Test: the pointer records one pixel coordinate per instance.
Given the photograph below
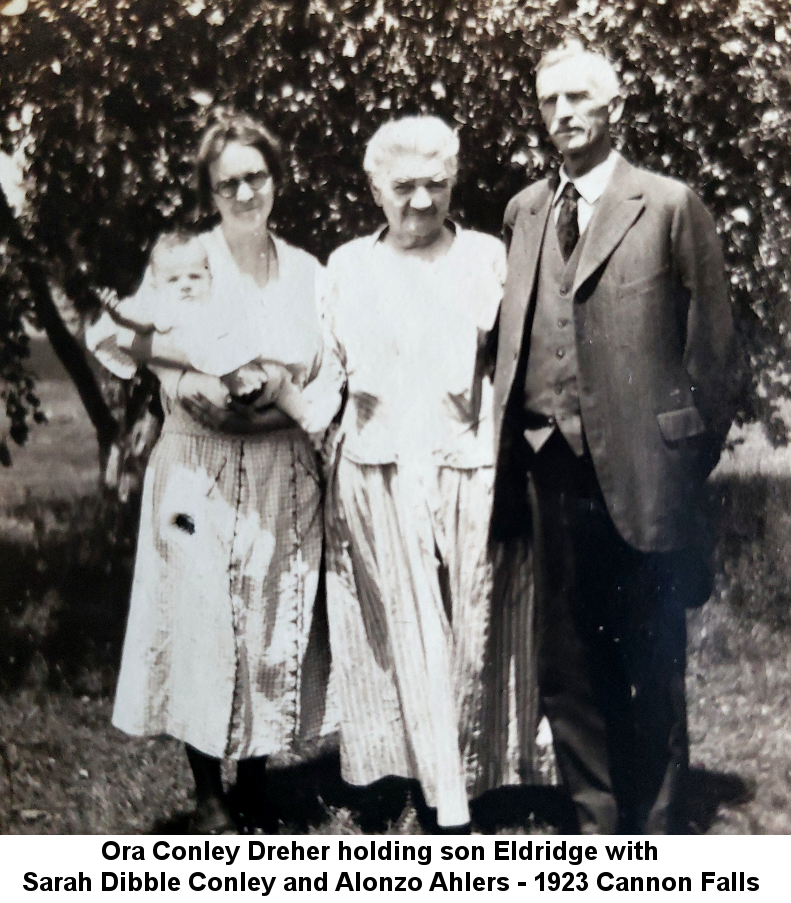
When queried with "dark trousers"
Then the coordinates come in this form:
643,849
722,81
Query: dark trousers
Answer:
611,646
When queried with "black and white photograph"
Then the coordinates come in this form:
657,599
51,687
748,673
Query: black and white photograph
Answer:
396,417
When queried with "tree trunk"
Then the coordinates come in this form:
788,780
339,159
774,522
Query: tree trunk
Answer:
69,351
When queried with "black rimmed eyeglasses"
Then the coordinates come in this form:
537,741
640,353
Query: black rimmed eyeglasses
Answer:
229,188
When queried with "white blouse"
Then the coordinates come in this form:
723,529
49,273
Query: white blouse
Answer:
405,334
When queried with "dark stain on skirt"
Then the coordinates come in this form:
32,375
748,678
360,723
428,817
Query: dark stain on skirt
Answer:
185,522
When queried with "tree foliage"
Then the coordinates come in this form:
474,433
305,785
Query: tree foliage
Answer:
110,96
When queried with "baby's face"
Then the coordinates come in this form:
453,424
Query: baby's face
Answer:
183,273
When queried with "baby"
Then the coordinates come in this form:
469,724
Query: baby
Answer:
212,335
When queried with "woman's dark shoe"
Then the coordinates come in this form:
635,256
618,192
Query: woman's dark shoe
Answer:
211,815
427,816
253,819
454,829
250,800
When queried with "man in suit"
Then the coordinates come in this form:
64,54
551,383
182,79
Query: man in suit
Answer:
611,391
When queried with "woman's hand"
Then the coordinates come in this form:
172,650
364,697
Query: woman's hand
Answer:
464,407
276,377
108,298
205,398
246,420
247,380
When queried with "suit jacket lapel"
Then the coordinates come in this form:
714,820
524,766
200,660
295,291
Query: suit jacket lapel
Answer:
531,235
613,215
534,229
519,289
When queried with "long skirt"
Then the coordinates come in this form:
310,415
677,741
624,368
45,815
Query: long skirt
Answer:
225,648
434,678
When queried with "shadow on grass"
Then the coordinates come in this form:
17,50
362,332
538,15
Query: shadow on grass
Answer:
179,824
523,808
308,796
312,796
64,594
708,790
516,807
64,590
753,558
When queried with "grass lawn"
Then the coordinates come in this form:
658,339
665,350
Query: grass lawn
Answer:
59,460
64,769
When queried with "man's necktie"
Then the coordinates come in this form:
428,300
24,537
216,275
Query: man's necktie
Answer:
567,224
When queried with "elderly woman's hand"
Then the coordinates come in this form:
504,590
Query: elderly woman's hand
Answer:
464,407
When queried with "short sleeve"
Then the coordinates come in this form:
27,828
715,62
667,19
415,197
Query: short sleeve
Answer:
323,393
499,268
108,340
104,339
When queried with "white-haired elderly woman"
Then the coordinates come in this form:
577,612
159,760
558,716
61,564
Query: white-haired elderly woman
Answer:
420,676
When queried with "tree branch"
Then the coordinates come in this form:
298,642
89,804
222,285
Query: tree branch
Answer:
66,347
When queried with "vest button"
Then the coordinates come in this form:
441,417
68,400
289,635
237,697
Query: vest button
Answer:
558,390
560,352
562,323
564,290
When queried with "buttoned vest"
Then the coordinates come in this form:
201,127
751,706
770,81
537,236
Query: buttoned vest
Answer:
551,393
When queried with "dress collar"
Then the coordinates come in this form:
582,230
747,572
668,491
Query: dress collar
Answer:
215,239
381,232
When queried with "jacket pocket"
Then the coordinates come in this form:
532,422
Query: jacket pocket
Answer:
648,283
684,423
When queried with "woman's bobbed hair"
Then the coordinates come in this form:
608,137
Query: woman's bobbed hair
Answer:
229,127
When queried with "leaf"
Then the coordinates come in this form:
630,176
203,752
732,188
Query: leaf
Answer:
110,142
14,8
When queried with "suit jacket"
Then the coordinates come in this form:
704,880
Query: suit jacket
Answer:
654,338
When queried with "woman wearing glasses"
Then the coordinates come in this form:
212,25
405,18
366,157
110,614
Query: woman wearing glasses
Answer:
224,649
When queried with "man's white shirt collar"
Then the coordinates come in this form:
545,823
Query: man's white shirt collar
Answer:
591,187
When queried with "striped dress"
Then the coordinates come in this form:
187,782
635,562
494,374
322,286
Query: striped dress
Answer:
430,635
225,648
